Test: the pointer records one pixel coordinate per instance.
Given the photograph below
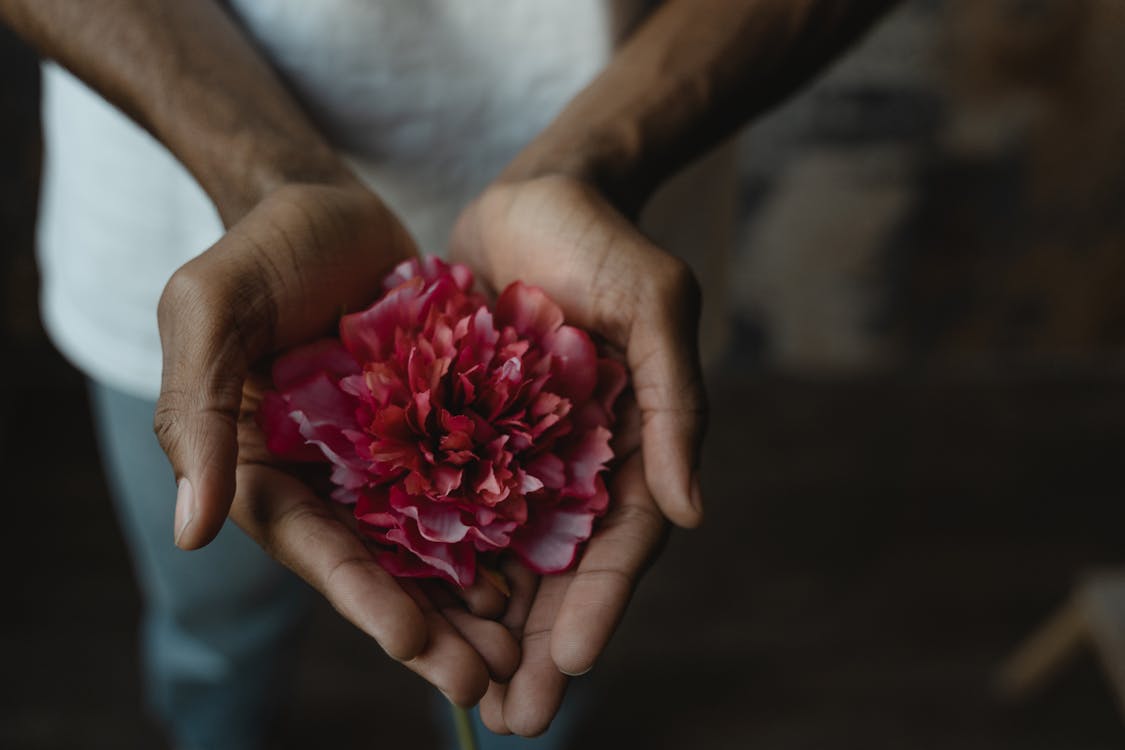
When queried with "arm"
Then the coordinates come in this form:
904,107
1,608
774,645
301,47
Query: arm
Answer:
305,239
693,74
186,73
561,216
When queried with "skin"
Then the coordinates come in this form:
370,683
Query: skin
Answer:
305,238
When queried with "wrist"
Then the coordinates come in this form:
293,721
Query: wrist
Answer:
237,174
607,159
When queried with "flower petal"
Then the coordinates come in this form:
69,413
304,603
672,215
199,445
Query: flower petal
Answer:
585,459
529,310
302,363
574,361
437,522
453,562
283,436
548,542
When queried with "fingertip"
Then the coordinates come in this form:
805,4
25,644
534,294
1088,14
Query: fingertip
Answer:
680,511
407,638
470,688
530,707
198,523
571,655
528,723
492,709
674,484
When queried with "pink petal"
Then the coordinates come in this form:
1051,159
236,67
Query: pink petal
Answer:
437,522
529,310
496,535
478,347
370,335
430,268
573,363
585,459
453,562
283,436
549,469
548,543
373,508
320,399
302,363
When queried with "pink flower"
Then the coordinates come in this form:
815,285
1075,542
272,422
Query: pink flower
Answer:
454,430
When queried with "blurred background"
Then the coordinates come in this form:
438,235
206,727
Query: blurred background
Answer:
914,462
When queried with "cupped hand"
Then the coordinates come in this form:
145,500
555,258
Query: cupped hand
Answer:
560,234
280,277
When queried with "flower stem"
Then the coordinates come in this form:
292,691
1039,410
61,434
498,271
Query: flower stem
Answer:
466,739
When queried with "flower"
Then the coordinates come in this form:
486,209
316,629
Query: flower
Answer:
454,430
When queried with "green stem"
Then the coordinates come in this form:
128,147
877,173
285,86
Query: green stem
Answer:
466,739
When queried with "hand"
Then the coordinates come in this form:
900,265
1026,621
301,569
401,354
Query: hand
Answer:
561,235
282,276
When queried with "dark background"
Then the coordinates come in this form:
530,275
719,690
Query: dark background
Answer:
915,450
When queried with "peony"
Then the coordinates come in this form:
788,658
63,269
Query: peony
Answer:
452,429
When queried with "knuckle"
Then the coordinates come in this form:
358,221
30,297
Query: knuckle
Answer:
185,292
643,523
165,424
221,315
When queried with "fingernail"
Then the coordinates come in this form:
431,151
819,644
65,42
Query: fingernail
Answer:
496,579
185,508
577,674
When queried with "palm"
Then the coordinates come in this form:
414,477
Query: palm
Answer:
561,236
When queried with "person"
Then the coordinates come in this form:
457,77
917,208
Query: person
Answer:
284,158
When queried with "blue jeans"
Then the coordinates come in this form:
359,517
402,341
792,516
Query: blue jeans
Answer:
220,624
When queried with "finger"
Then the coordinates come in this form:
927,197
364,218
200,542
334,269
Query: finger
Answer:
484,597
448,662
205,365
494,642
663,356
492,708
523,584
301,532
625,542
279,277
536,689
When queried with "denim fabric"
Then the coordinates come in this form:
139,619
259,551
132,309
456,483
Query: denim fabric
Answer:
219,623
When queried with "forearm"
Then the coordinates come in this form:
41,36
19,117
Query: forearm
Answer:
692,74
186,72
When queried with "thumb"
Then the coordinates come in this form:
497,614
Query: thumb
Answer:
212,326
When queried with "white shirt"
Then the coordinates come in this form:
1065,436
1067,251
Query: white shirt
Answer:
427,99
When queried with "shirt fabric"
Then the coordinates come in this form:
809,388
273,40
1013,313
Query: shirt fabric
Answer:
426,99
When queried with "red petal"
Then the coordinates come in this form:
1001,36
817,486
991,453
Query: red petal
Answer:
548,543
302,363
573,363
529,310
585,459
283,436
453,562
437,522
